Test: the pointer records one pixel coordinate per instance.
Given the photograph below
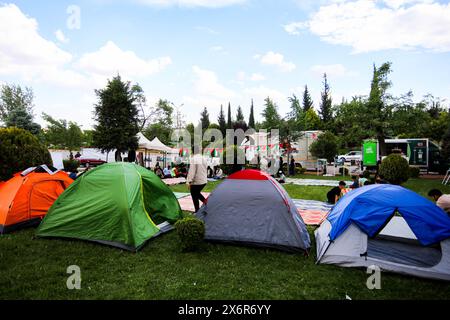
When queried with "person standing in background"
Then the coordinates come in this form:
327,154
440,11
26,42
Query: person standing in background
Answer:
197,178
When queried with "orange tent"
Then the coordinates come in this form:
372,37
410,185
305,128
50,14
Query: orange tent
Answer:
26,198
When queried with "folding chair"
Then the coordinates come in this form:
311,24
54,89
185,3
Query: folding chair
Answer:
446,178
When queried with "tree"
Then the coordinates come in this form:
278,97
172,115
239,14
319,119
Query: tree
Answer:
272,119
240,120
350,122
326,104
20,150
311,120
307,100
117,118
222,122
446,145
162,124
325,147
296,109
377,105
240,114
230,118
16,108
61,134
205,119
251,121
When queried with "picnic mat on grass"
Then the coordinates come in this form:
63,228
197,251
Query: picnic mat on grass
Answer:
312,212
315,182
174,181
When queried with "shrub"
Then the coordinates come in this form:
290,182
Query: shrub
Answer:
414,172
300,170
343,171
20,150
191,232
231,168
395,169
71,165
325,147
366,174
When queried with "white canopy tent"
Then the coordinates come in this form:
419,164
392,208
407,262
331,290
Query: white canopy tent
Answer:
153,147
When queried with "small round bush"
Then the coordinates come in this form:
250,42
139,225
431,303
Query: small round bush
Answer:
191,232
395,169
366,174
71,165
414,172
20,150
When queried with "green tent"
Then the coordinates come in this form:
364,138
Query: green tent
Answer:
118,204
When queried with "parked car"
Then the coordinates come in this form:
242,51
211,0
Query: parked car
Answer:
351,156
91,162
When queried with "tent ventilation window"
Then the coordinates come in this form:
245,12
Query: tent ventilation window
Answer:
397,243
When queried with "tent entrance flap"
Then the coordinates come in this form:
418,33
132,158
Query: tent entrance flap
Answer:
404,253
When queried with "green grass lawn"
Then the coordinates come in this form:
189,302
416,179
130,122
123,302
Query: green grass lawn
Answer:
36,269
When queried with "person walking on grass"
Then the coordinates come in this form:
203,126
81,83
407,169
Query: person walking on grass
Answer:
197,178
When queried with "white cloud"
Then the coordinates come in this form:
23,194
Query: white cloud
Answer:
276,59
207,84
23,51
111,59
217,49
242,77
368,25
294,28
207,30
257,77
332,70
192,3
60,36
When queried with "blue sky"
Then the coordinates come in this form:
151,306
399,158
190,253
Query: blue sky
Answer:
206,53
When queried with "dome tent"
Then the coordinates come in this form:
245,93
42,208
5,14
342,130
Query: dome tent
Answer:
388,226
117,204
251,207
26,198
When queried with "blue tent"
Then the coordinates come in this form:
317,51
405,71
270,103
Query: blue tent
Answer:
371,207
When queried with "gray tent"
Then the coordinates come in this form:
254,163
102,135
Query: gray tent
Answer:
250,207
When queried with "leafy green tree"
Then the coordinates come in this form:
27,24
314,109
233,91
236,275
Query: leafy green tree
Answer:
311,120
446,145
251,121
378,107
351,123
205,119
240,114
20,150
230,119
326,104
325,147
307,100
117,118
88,138
161,125
272,119
240,120
63,134
222,122
16,108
